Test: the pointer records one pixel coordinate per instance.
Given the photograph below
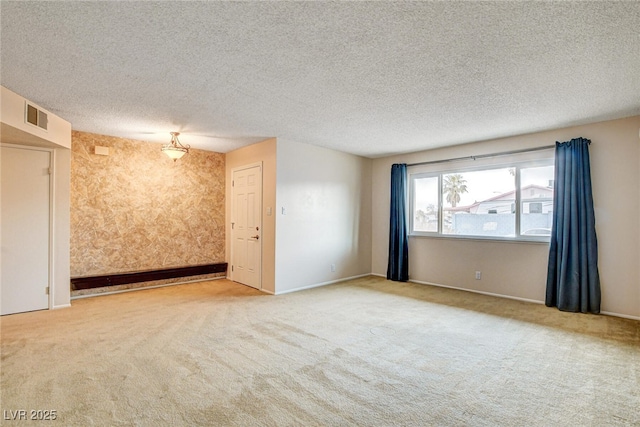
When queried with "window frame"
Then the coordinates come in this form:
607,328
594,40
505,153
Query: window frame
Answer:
418,173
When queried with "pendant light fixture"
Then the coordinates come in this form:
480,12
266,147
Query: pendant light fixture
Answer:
175,149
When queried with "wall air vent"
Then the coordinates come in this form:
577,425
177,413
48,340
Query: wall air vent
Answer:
35,116
24,123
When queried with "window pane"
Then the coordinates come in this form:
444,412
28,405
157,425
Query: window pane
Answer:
425,206
536,195
479,203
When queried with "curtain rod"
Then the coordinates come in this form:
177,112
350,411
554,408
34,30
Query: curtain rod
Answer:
482,156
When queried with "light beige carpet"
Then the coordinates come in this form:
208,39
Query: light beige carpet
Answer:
362,353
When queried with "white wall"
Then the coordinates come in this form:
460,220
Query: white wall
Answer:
326,197
265,153
15,129
58,137
62,228
519,269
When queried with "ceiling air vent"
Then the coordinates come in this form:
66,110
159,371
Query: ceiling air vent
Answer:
36,116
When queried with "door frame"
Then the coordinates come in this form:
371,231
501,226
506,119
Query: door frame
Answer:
233,215
52,241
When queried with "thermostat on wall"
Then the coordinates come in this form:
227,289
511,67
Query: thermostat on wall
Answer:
102,151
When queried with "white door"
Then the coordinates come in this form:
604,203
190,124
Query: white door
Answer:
24,229
246,226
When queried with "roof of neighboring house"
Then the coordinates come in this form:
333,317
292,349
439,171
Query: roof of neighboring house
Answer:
509,195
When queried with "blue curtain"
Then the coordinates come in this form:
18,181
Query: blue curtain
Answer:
398,267
573,281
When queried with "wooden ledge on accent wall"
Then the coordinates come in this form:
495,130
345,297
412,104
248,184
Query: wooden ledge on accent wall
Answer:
90,282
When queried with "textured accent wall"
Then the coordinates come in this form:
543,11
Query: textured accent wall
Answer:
136,209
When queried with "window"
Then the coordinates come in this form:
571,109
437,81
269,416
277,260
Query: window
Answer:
426,211
512,201
537,205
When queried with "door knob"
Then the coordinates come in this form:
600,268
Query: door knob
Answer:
255,237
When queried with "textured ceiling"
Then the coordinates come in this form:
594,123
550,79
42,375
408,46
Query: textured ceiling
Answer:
369,78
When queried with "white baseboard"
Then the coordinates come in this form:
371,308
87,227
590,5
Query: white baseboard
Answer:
316,285
420,282
331,282
606,313
478,292
624,316
141,288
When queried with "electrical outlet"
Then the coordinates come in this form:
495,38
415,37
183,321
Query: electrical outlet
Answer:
333,268
478,275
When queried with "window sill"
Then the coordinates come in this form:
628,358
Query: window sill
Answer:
526,240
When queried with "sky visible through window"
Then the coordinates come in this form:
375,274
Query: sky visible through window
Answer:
482,185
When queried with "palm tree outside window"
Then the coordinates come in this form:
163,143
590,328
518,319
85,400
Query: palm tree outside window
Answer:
453,186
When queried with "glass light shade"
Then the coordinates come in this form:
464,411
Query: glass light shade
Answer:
174,152
175,149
